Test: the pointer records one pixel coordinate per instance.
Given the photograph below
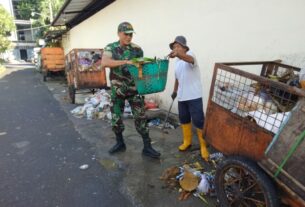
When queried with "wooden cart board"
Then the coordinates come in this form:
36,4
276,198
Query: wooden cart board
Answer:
52,60
292,173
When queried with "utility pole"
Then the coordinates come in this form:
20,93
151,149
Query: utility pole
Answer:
32,29
51,11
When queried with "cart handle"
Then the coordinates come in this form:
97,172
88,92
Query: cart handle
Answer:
293,148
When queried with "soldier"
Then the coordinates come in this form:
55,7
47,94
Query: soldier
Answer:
117,56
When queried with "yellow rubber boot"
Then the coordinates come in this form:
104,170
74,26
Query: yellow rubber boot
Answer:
203,147
187,136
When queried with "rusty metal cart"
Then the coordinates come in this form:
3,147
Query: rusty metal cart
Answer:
84,71
257,119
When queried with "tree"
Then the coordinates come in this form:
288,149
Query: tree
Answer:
42,11
6,27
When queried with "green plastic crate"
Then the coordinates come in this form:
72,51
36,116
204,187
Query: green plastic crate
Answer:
154,77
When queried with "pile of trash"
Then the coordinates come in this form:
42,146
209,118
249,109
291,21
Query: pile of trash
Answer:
95,107
98,107
192,179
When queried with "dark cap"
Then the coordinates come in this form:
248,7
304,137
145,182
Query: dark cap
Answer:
125,27
180,40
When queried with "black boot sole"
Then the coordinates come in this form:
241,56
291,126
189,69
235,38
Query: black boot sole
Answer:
120,149
151,156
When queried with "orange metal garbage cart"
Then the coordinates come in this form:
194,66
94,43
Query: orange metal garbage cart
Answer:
84,71
257,120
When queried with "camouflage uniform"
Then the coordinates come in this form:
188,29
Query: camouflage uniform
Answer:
123,88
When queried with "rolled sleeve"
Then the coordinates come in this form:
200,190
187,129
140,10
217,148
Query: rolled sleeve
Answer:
107,52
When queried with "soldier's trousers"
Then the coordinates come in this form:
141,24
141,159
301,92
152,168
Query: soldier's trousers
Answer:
136,103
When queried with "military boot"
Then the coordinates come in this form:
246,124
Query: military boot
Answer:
119,146
148,150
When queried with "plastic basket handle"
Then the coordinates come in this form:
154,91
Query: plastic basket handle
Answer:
139,66
140,71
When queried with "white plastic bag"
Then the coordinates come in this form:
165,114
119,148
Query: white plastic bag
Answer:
78,112
204,185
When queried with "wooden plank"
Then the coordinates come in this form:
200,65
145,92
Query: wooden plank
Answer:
293,171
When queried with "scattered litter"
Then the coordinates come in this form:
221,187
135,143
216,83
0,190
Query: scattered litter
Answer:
217,156
169,177
84,167
188,181
158,123
2,133
191,179
151,104
96,106
78,112
127,110
184,195
109,115
63,91
154,122
204,186
196,194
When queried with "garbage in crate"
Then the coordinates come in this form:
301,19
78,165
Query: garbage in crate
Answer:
267,106
89,60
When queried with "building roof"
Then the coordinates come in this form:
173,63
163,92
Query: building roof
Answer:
54,34
74,12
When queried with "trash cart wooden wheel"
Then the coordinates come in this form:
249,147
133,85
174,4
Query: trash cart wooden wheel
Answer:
72,92
44,75
240,182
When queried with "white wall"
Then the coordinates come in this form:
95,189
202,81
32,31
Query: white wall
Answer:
216,30
7,4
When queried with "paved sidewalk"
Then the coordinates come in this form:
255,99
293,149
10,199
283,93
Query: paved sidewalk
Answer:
140,175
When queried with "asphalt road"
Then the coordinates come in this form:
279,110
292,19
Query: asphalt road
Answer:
41,152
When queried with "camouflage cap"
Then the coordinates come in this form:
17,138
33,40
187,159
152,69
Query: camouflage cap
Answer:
125,27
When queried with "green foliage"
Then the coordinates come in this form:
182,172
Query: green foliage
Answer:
25,8
6,27
40,11
143,60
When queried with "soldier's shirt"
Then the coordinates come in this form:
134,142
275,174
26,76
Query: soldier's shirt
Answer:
120,78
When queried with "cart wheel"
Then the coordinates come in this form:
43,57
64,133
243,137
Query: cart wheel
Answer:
44,74
72,94
63,73
241,182
92,91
